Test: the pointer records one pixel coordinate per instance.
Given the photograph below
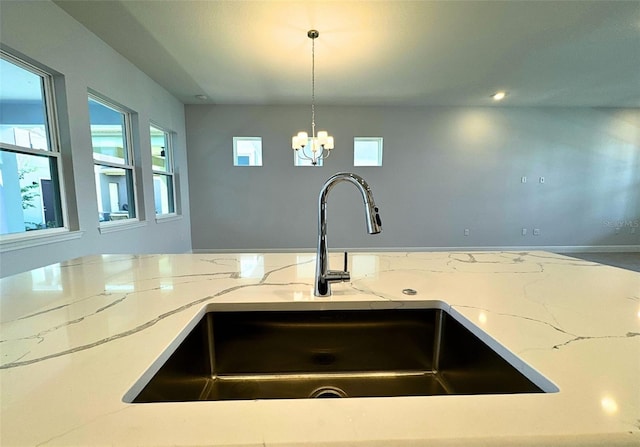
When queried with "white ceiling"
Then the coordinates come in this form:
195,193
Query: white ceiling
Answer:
544,53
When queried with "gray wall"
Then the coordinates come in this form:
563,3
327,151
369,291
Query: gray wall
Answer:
444,170
44,33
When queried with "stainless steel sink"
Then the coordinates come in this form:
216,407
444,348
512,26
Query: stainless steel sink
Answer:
239,352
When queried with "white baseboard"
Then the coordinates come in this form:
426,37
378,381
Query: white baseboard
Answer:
257,250
551,248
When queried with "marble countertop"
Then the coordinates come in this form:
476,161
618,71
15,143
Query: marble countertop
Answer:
76,336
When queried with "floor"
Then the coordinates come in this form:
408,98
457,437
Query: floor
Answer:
629,261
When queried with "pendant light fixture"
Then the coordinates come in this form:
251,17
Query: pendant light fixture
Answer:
319,146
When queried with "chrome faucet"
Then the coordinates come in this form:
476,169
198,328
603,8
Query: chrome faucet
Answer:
324,276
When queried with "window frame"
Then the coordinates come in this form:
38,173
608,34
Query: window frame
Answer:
379,140
35,237
170,170
128,165
235,152
301,162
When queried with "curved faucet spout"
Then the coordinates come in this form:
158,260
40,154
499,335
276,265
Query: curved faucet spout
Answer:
324,276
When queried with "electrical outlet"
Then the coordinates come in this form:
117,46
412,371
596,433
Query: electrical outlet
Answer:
536,231
523,179
524,231
466,232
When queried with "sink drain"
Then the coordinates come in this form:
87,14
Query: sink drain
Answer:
327,392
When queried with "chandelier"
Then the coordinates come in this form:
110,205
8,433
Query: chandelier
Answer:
320,145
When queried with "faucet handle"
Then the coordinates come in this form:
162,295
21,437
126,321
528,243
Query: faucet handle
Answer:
339,275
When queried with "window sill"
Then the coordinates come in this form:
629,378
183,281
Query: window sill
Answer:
122,225
36,238
162,218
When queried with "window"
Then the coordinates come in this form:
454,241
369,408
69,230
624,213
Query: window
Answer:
247,151
112,160
367,151
30,162
162,166
300,158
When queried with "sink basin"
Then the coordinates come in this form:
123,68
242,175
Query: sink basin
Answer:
287,351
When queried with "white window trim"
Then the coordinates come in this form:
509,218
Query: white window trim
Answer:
235,152
171,169
378,140
121,225
129,165
173,186
29,239
53,141
297,160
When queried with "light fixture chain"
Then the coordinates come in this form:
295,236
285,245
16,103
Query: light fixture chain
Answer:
319,146
313,87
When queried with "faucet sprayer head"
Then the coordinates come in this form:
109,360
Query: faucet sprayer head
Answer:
374,223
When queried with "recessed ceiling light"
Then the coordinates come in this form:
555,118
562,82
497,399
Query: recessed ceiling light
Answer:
202,97
499,96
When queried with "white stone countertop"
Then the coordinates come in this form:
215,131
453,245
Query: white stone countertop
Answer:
76,336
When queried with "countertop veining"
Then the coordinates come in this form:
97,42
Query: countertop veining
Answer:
75,336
